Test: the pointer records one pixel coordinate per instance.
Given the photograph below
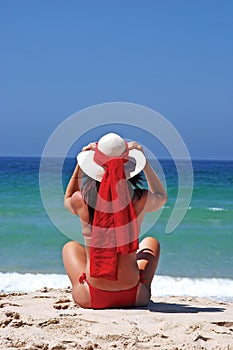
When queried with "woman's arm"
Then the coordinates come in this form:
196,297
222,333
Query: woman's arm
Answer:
156,196
73,198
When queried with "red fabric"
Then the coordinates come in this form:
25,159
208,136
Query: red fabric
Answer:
101,299
114,228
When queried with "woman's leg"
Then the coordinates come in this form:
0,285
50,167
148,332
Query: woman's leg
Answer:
147,260
74,259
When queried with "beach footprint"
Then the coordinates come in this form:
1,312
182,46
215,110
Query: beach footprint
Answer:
10,316
62,304
226,326
48,322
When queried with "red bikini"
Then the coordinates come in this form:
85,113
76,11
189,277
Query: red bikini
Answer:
101,299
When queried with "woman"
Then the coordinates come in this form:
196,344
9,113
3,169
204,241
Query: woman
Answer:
113,269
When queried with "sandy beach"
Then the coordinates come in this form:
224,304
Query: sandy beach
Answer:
49,320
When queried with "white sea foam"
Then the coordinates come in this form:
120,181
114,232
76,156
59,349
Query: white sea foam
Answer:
217,209
219,288
28,282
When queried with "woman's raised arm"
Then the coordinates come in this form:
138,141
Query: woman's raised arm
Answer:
73,195
157,195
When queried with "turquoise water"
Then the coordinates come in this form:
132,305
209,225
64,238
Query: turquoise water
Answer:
200,247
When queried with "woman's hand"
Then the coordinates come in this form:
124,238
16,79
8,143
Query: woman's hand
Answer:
135,145
90,147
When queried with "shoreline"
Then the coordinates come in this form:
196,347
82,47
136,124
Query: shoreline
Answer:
48,319
216,289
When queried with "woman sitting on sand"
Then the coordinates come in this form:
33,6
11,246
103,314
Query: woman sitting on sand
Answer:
113,269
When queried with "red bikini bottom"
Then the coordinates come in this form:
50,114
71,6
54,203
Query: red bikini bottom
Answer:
102,299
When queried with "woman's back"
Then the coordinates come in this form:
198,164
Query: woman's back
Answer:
127,267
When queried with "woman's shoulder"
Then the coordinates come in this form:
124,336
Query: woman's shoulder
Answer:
148,201
152,201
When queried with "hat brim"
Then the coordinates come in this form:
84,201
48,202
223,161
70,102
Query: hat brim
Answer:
85,159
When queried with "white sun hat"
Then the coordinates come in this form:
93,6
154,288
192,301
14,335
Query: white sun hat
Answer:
111,145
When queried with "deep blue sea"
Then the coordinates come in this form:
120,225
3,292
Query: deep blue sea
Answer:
196,258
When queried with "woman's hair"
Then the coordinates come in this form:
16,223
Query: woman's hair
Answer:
90,188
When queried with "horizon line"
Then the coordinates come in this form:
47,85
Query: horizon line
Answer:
161,158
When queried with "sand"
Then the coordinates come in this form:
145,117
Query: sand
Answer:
49,320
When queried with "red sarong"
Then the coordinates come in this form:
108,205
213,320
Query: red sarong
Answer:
114,228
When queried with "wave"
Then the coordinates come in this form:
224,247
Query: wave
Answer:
28,282
200,208
217,288
217,209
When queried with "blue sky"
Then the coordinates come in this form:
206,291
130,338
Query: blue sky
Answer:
174,56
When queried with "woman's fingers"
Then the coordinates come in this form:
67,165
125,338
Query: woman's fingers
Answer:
134,145
90,146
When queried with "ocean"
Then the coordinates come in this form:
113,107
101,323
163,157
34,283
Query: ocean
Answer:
196,258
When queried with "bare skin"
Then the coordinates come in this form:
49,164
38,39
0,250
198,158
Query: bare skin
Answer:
76,258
